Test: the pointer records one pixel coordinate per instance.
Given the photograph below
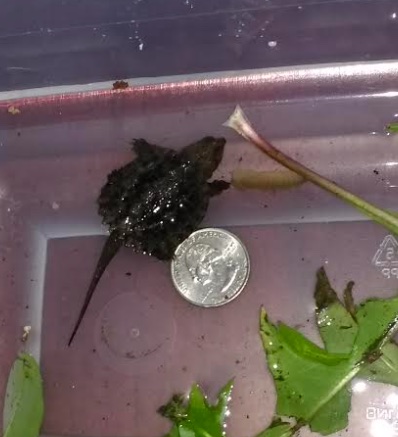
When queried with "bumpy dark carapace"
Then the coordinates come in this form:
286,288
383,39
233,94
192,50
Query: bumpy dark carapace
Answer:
156,201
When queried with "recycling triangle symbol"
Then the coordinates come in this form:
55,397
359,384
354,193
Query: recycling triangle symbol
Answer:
387,254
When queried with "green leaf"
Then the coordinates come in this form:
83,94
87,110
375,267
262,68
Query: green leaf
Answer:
336,325
392,128
278,429
299,344
311,382
377,320
23,407
311,385
197,418
333,416
303,383
338,330
385,368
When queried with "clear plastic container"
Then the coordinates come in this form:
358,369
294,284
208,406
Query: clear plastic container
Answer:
140,341
55,155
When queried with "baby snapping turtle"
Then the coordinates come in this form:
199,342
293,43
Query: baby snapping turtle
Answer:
156,201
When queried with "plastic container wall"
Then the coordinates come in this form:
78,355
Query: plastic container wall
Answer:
46,43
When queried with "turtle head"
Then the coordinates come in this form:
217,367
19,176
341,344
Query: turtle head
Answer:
207,152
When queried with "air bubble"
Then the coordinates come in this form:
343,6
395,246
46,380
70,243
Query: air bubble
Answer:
135,332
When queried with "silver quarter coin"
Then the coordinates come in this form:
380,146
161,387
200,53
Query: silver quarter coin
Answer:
210,268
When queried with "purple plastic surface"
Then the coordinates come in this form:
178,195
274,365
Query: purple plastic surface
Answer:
58,42
140,341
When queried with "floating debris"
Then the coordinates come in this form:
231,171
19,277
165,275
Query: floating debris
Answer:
13,110
265,180
120,85
26,332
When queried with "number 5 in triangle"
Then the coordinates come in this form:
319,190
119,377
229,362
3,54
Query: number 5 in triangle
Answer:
387,254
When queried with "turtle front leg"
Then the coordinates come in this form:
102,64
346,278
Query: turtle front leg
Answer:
217,187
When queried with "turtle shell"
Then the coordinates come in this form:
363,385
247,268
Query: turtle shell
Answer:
156,201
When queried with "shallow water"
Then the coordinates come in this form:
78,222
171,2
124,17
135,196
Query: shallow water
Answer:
140,342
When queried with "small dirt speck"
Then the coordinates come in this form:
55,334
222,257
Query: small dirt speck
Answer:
120,85
237,361
202,337
184,368
94,351
18,134
265,206
240,159
375,171
247,416
128,273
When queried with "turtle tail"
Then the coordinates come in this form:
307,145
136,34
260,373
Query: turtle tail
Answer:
110,249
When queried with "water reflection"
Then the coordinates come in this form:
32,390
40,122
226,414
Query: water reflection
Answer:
359,386
381,428
392,400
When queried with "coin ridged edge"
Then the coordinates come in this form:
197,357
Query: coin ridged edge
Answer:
245,280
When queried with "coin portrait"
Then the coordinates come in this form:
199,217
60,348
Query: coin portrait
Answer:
210,267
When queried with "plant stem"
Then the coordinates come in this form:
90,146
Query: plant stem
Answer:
242,126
